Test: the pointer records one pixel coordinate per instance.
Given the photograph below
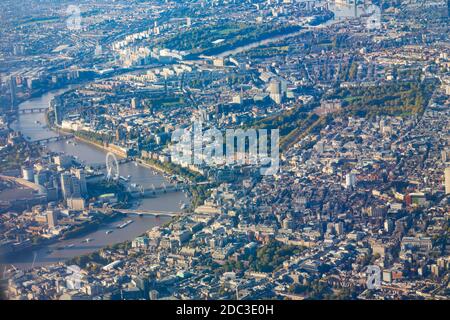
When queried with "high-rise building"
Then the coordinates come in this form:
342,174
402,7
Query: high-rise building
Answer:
66,185
76,187
275,87
141,283
81,176
28,173
388,225
40,178
52,193
275,91
447,180
76,203
63,161
339,228
134,103
12,88
57,109
52,218
73,184
350,180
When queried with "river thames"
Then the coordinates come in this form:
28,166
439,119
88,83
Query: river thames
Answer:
33,126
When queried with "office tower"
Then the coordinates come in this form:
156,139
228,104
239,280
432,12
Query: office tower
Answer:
275,91
275,87
350,180
57,109
388,225
81,176
434,270
52,194
447,180
52,218
141,283
40,178
330,228
12,88
63,161
83,184
28,173
76,187
339,228
54,183
134,103
76,204
66,185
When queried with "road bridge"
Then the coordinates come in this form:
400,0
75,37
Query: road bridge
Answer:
31,110
54,139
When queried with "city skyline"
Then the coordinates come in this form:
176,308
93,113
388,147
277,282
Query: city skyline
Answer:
224,150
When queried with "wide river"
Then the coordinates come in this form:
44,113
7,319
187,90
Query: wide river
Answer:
341,12
33,126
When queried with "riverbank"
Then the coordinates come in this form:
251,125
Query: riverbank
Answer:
61,131
107,233
148,164
78,231
90,226
143,162
197,194
95,144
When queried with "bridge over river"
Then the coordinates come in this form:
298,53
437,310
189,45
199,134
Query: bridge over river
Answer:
32,110
154,191
54,139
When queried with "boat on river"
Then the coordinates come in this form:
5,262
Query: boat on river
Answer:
123,225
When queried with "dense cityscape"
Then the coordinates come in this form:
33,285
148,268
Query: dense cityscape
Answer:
224,150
